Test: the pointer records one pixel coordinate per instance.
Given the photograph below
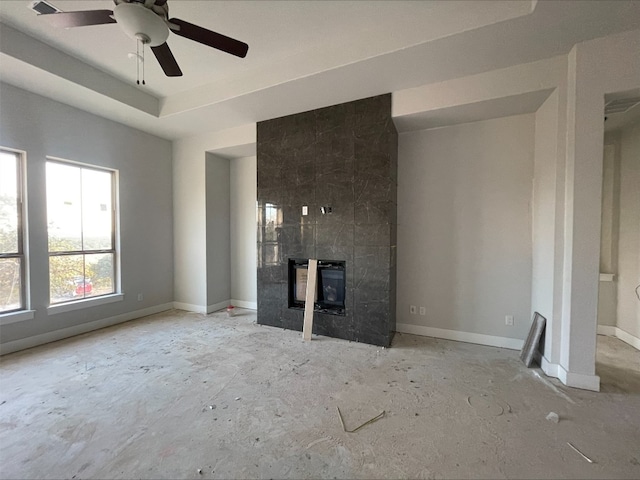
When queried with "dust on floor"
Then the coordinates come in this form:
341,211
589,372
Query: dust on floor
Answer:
185,395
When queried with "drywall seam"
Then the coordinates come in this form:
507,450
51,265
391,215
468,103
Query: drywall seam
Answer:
35,340
469,337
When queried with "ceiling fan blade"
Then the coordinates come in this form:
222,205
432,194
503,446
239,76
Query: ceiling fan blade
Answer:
166,60
79,19
209,38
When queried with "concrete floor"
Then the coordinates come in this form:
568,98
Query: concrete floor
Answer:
164,396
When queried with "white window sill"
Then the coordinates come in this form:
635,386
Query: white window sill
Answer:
13,317
84,303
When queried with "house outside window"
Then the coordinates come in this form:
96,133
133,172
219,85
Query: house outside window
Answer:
81,216
12,259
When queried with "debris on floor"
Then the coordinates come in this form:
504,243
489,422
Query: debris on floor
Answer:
553,417
486,406
580,453
374,419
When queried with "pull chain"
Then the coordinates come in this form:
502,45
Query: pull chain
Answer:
138,61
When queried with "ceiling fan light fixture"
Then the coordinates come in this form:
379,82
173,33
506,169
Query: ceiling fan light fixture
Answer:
140,23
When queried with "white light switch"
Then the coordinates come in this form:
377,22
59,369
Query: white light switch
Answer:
305,210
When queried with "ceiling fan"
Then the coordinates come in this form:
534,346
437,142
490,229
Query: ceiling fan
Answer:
148,22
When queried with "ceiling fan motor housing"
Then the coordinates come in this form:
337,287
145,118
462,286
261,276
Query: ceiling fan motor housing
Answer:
141,23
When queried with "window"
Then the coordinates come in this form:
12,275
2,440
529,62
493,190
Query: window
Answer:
81,227
12,269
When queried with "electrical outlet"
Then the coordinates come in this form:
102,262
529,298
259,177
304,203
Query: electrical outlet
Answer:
140,297
423,311
508,320
412,310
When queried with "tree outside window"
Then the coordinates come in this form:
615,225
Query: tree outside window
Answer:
11,232
81,231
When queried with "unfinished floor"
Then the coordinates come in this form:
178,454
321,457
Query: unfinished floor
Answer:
184,395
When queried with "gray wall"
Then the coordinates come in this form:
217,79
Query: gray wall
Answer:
464,226
344,156
42,127
243,232
618,305
217,231
628,314
607,291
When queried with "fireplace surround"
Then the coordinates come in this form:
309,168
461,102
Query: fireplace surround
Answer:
330,286
327,183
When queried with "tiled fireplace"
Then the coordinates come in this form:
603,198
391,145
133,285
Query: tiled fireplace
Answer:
327,182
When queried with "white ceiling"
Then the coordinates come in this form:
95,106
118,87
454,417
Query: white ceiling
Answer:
302,54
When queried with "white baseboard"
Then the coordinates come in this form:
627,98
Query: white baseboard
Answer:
218,306
626,337
550,369
63,333
245,304
190,307
479,338
608,330
579,380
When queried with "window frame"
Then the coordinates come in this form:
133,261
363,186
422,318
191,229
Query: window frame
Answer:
115,294
21,188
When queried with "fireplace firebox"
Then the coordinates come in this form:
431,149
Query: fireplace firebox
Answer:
330,286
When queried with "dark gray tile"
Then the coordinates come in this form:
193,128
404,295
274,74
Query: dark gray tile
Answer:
374,212
372,111
366,293
371,257
334,235
298,251
374,163
342,253
269,255
372,188
270,278
334,192
297,235
335,170
335,120
340,213
292,215
345,157
372,234
292,319
273,196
